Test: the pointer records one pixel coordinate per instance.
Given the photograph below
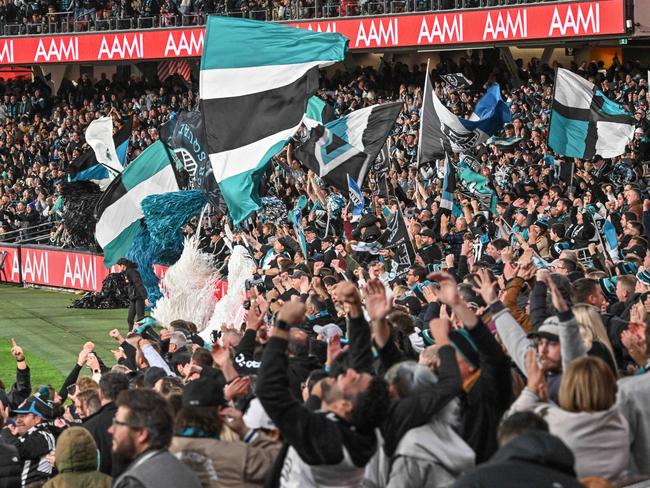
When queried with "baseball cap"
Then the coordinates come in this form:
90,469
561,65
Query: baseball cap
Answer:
550,329
207,391
328,331
38,405
464,344
428,233
256,417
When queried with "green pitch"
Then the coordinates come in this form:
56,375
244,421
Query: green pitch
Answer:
50,333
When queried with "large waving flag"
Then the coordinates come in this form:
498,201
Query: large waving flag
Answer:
318,112
256,78
119,211
99,136
584,122
448,185
490,113
349,145
474,185
87,168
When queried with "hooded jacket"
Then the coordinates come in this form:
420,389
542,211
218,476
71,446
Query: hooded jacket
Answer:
431,455
599,440
534,459
76,461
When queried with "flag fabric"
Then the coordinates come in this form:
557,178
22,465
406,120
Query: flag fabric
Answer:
490,113
174,67
99,136
456,80
584,122
430,141
188,143
119,211
255,81
86,167
382,161
506,144
348,145
474,185
607,233
356,197
295,217
448,185
396,238
318,112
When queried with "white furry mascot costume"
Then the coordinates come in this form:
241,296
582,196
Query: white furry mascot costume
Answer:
229,309
188,288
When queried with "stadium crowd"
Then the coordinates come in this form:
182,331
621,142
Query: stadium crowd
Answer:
512,351
20,17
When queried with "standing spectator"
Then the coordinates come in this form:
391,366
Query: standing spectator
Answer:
110,386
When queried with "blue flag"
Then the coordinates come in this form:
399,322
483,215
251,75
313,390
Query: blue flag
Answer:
356,197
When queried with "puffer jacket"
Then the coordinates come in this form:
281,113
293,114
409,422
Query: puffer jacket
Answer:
76,461
10,466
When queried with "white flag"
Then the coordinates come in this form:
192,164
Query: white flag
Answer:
99,136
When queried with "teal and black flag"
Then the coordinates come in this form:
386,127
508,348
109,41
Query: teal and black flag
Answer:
87,168
255,81
584,122
349,145
119,211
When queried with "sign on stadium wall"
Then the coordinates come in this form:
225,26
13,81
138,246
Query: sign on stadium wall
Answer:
58,268
458,27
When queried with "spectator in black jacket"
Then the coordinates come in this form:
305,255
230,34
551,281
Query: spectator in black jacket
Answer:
10,465
331,446
110,386
137,291
484,366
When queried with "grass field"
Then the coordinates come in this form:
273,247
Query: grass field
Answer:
50,333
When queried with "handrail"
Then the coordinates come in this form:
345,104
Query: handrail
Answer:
28,229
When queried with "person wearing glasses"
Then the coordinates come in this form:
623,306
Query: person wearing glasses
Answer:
142,431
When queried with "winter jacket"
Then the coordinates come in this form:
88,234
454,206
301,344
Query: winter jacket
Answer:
157,469
431,455
33,447
137,291
485,402
98,424
324,450
10,466
600,441
633,401
76,461
222,464
534,459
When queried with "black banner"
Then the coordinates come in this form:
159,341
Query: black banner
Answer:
396,238
188,142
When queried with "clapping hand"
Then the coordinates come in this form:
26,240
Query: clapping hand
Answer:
377,303
486,287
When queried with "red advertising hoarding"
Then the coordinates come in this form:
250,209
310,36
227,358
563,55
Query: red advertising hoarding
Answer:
58,268
458,27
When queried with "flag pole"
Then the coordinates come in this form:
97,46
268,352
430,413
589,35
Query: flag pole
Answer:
424,95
